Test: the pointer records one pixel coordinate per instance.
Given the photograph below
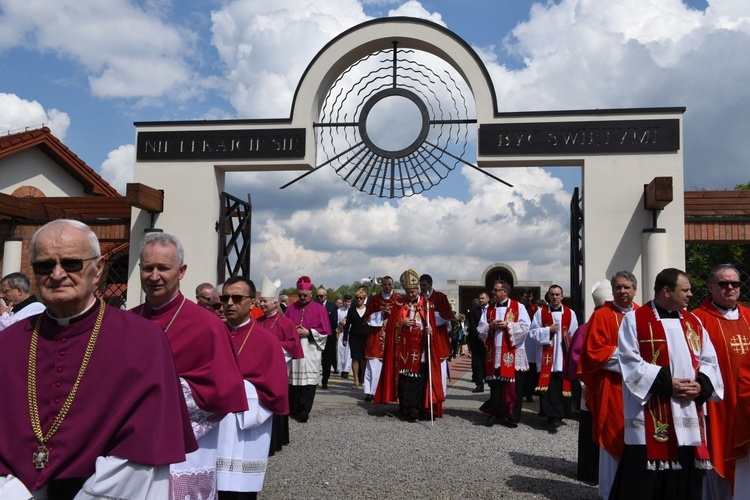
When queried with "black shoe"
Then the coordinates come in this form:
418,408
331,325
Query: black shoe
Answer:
477,389
324,386
510,424
302,418
368,398
529,399
335,372
555,422
413,415
344,374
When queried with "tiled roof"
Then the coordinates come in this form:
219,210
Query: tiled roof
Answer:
42,138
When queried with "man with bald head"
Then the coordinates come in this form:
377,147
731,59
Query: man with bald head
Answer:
98,385
728,325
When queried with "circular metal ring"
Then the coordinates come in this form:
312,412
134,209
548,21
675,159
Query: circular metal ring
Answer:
424,129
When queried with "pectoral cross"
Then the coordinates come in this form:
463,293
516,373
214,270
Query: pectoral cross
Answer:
739,343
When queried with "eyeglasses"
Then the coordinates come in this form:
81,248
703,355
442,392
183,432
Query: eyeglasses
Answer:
3,292
216,305
237,298
68,265
204,298
321,296
498,289
725,284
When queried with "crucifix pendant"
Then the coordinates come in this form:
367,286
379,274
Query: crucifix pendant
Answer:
41,457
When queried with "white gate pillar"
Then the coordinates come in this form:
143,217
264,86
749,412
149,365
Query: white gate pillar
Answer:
191,210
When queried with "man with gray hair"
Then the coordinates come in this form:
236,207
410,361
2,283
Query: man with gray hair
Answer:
91,403
16,301
203,295
599,369
728,325
212,384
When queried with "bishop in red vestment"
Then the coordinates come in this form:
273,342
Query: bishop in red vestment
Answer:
413,358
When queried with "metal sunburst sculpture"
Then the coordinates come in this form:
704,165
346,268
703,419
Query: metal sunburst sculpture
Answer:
418,161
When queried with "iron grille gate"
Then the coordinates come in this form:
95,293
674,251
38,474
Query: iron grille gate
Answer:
235,220
576,256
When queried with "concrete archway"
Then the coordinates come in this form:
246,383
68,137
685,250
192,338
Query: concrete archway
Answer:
619,152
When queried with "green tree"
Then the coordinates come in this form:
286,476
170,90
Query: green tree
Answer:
700,258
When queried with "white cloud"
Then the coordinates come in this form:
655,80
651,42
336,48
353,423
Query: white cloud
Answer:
266,47
585,54
117,169
125,50
350,235
17,113
569,54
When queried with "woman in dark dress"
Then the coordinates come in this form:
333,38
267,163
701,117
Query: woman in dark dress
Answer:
355,335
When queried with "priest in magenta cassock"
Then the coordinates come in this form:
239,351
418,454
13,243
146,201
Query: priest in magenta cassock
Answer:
211,380
245,438
313,327
107,414
281,326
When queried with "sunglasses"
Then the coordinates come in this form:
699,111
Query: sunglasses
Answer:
216,305
321,296
68,265
725,284
235,298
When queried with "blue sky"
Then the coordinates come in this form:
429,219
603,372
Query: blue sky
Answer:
89,69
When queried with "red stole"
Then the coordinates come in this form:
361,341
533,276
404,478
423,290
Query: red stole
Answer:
548,351
507,349
403,353
661,441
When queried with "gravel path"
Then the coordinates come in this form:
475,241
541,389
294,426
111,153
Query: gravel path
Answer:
352,449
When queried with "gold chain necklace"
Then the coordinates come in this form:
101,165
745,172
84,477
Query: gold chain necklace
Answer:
275,320
302,314
252,325
41,455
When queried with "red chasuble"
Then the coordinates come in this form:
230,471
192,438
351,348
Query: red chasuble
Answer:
741,436
129,402
405,353
603,387
262,363
202,353
731,339
376,340
285,331
439,303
